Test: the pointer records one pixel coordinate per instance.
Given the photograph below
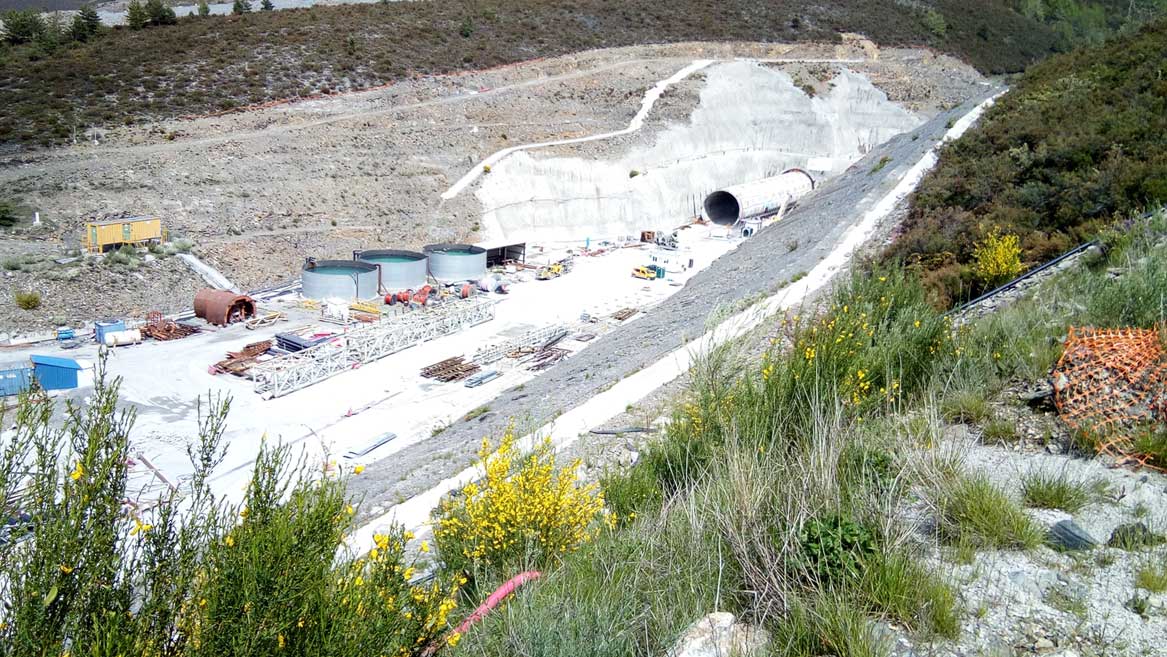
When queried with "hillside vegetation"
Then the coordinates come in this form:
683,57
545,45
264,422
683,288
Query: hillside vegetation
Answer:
1079,141
49,90
778,492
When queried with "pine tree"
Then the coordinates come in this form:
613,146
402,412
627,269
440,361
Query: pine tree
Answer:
204,8
267,5
159,13
136,16
86,23
241,7
22,26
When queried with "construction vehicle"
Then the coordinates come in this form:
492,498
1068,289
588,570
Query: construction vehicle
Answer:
554,270
648,272
549,272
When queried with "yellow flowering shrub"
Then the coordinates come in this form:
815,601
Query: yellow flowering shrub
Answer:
524,512
997,258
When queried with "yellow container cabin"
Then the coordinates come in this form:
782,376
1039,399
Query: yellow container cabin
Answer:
101,236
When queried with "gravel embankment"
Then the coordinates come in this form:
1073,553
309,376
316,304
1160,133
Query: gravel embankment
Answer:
757,266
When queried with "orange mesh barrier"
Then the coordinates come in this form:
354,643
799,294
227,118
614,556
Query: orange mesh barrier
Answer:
1110,381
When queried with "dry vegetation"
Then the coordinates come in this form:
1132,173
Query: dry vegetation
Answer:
212,64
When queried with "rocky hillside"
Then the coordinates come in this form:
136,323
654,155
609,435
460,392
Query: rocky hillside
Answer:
50,92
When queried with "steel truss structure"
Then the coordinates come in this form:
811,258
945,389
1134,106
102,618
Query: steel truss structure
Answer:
291,372
533,338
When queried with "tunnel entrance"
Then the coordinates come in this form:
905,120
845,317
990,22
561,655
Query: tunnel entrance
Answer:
722,208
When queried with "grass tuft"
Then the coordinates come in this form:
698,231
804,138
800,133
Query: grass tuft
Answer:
27,300
1152,577
965,406
975,512
1043,489
999,431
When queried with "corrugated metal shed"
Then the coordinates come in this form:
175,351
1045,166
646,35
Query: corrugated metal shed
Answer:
55,373
15,380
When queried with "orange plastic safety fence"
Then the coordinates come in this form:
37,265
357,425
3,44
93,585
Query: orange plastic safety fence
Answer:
1110,382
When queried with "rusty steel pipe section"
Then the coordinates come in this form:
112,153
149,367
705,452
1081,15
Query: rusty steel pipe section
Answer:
222,307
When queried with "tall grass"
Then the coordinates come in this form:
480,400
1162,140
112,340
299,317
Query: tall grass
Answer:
785,504
96,568
628,593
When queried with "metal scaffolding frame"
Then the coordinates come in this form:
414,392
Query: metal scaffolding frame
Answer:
291,372
533,338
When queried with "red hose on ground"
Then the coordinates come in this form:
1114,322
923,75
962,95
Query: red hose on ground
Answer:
495,598
491,602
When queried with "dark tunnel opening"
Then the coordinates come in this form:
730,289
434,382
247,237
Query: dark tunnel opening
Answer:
722,208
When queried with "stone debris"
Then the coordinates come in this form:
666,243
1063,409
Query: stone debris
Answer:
1068,536
719,635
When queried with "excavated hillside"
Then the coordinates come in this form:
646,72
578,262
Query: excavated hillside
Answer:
258,191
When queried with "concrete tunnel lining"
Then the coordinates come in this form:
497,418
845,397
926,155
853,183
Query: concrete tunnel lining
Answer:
722,208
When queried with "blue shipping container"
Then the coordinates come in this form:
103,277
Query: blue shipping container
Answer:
107,326
15,381
54,373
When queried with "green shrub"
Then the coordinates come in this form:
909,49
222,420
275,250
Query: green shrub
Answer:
1080,141
934,22
204,578
972,511
631,492
883,161
27,300
835,548
11,264
1048,490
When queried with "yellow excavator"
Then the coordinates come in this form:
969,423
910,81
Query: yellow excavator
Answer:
550,271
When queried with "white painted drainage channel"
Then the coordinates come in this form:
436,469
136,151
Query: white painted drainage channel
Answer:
212,276
414,513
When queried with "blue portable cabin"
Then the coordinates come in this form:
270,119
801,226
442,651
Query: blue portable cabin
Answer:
55,373
15,380
102,327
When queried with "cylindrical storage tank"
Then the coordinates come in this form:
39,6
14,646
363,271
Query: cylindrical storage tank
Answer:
116,338
757,199
339,279
400,270
454,263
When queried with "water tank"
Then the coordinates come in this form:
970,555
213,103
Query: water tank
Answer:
116,338
339,279
757,199
454,263
400,270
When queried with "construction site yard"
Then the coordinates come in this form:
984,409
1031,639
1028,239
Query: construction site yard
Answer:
164,380
258,191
